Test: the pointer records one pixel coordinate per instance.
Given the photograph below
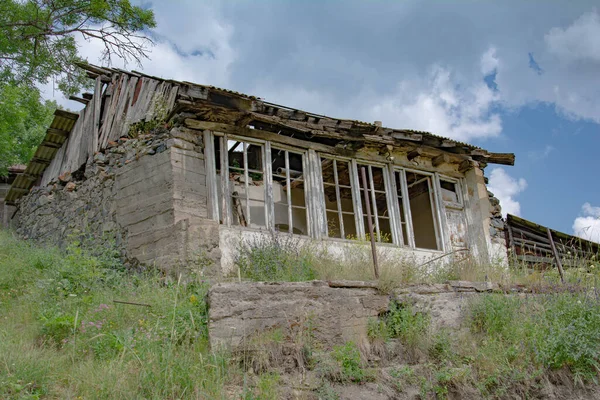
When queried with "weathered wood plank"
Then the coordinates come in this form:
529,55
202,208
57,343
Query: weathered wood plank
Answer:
96,119
79,99
258,134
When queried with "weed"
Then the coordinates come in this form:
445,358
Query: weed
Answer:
327,392
275,258
350,361
406,324
62,336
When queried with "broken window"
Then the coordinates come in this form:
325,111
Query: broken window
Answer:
450,193
289,195
242,190
270,186
398,175
377,192
422,210
339,203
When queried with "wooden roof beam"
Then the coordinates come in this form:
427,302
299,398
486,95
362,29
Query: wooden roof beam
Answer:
494,158
411,155
79,99
441,159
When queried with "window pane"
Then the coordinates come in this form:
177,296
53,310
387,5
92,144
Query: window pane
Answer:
449,191
422,210
288,191
338,198
246,183
378,202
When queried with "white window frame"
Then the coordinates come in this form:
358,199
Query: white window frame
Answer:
290,206
316,213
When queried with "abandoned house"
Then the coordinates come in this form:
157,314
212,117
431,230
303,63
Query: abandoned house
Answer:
175,172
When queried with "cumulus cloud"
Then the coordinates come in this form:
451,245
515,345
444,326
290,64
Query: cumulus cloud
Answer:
333,60
578,42
489,61
506,188
438,104
587,225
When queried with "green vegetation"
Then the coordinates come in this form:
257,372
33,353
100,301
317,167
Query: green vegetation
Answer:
38,39
38,43
62,336
24,118
351,365
511,345
275,258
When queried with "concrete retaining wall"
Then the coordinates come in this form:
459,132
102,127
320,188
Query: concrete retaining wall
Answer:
336,312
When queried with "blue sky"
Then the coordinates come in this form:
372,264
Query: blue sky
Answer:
509,76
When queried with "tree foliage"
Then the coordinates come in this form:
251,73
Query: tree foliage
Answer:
24,118
38,42
38,37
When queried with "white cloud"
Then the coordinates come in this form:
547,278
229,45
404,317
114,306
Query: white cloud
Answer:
439,104
489,61
438,101
587,226
579,42
537,155
423,79
506,188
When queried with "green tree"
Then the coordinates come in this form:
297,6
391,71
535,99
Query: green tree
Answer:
38,42
24,118
38,37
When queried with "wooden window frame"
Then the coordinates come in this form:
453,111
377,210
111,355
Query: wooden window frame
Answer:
289,205
316,213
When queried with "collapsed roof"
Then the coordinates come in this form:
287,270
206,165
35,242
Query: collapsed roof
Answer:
112,107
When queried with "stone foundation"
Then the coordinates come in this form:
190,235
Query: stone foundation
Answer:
336,312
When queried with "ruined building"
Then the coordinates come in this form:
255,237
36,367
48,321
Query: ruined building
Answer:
175,172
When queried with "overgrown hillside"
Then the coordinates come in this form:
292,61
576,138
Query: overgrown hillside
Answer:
75,326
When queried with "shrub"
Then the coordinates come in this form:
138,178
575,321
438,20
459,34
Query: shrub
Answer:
494,314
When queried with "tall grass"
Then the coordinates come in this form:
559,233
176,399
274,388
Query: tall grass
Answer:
63,336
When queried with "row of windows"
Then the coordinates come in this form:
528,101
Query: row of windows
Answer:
266,185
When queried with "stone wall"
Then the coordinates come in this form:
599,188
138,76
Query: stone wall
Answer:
497,230
145,195
337,311
336,315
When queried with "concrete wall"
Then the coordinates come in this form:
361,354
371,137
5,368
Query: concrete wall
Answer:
336,315
146,196
231,239
477,213
335,312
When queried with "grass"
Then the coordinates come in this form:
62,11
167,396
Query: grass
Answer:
512,345
287,258
62,336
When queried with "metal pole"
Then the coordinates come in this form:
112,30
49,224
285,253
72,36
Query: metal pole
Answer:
369,222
